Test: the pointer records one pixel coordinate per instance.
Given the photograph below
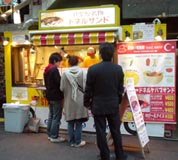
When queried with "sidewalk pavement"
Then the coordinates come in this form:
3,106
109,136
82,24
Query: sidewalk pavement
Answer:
36,146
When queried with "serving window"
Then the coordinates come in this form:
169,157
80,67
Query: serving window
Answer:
28,62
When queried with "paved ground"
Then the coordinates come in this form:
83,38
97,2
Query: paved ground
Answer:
35,146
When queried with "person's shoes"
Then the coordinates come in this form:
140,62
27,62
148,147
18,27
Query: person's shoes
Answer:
81,144
123,158
49,138
72,145
57,140
99,158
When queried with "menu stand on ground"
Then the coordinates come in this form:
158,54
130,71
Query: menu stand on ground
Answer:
143,138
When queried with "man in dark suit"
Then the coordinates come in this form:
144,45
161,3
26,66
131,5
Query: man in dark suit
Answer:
103,94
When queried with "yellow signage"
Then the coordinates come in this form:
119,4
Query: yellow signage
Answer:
86,17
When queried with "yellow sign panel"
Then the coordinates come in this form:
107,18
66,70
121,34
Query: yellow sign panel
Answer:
160,30
86,17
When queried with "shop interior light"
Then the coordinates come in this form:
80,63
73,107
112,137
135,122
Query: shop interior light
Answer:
127,36
14,43
158,38
27,42
56,47
62,51
64,54
32,50
6,41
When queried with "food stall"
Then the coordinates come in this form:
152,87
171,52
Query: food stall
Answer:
70,32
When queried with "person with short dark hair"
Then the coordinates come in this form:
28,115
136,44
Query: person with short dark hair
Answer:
103,94
73,60
54,96
72,84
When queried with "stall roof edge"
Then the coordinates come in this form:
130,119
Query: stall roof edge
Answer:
74,30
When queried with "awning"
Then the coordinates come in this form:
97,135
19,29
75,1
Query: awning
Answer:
73,38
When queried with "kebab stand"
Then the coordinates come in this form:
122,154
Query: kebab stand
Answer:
71,32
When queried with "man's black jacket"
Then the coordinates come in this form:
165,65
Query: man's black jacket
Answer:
104,88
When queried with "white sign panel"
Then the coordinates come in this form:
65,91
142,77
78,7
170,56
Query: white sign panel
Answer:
143,32
19,93
81,17
137,112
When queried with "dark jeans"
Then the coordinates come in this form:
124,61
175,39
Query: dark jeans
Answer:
55,114
114,126
74,131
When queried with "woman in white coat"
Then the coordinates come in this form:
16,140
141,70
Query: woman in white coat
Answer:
72,85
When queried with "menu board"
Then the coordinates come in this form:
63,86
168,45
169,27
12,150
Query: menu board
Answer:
136,111
152,66
143,32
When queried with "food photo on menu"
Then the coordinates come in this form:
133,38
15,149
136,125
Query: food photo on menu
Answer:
134,103
144,100
51,19
148,70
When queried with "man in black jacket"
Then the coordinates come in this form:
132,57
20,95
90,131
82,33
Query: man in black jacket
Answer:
103,94
54,96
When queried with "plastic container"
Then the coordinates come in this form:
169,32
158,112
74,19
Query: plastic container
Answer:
16,117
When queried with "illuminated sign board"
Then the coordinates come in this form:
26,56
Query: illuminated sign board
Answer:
87,17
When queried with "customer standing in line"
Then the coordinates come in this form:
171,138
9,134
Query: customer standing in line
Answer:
72,84
54,96
103,94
